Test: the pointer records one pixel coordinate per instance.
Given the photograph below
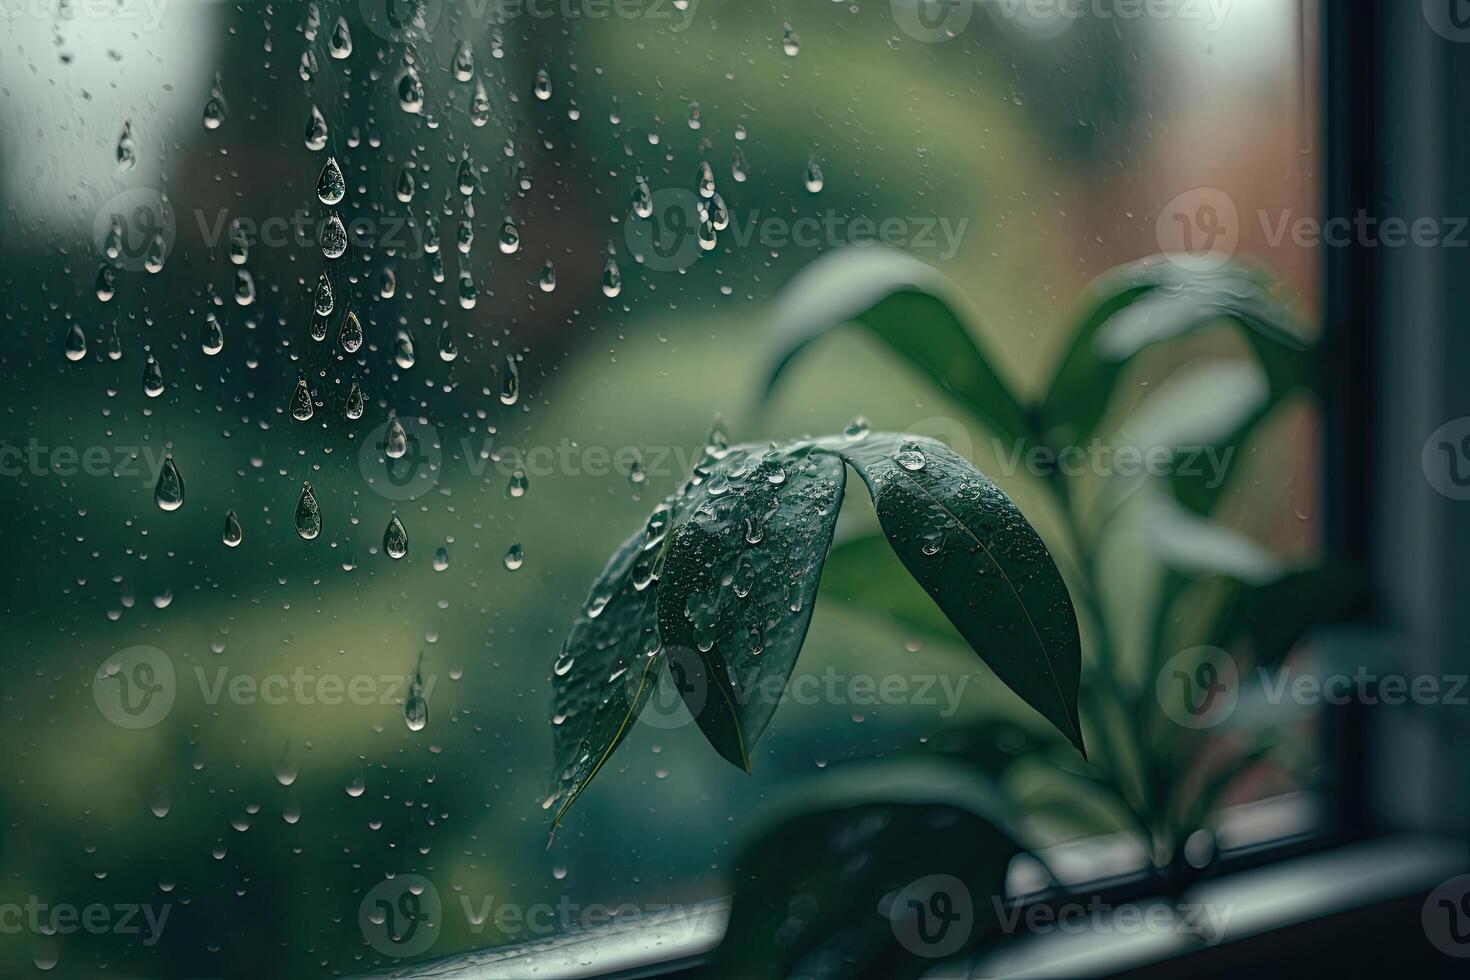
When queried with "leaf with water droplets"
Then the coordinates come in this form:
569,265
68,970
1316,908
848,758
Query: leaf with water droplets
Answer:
975,554
739,584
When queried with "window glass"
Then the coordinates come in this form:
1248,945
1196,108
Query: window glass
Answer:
294,539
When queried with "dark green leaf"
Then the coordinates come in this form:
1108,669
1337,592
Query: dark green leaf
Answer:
604,673
740,581
838,888
1148,302
910,306
972,550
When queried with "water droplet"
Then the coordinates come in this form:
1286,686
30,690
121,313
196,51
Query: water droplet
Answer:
324,300
106,283
301,407
355,402
857,429
515,557
448,350
719,215
416,713
404,188
465,236
910,457
612,279
441,558
168,492
467,178
479,105
518,484
705,180
395,439
152,377
339,45
215,108
388,283
334,237
127,147
814,179
316,130
331,186
76,343
403,350
468,295
211,335
244,287
308,514
234,534
542,86
464,62
356,785
395,538
410,91
636,472
642,199
510,382
510,237
790,41
157,252
350,336
309,66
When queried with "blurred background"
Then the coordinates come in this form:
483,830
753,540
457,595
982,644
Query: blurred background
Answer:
1024,156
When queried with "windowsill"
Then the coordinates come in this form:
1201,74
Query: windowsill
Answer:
1264,898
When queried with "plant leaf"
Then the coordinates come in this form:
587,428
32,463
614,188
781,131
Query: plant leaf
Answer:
910,306
604,673
836,887
1185,542
739,584
1148,302
975,554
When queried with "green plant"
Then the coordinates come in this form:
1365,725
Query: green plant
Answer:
1163,779
721,583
